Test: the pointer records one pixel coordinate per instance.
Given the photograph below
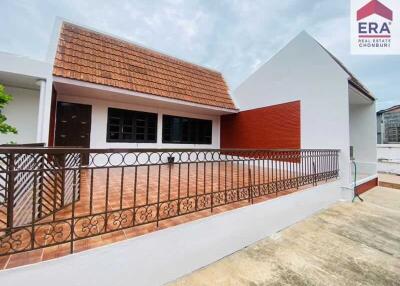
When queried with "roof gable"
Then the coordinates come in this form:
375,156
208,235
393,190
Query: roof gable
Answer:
352,78
89,56
303,39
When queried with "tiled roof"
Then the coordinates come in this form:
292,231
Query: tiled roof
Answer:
89,56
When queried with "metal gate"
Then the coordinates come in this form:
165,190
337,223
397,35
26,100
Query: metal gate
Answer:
35,185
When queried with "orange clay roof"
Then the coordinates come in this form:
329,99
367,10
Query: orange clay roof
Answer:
93,57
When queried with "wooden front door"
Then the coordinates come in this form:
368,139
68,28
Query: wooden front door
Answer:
73,125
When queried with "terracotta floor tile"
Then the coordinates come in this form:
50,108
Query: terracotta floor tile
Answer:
24,258
140,230
113,236
148,193
56,251
4,261
86,244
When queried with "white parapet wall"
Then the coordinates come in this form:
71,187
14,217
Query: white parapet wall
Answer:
162,256
388,158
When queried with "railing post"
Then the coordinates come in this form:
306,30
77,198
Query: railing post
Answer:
41,182
63,160
337,164
250,185
83,158
326,166
314,174
10,192
212,184
297,167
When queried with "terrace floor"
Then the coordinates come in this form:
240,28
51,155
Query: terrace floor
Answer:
389,180
347,244
116,189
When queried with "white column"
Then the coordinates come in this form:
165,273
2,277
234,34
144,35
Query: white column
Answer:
46,111
159,129
42,84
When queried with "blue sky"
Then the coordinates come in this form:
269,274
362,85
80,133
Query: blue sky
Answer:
233,36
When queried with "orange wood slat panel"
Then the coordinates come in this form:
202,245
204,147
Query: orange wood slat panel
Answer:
272,127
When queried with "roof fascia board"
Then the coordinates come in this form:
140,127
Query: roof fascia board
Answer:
359,90
139,94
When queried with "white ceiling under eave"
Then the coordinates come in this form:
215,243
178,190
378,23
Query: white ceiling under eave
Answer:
68,87
358,98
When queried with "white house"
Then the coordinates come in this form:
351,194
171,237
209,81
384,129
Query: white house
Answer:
100,91
336,110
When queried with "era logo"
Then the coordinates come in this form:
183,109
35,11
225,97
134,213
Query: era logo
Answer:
373,28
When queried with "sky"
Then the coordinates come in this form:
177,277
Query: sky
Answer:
234,37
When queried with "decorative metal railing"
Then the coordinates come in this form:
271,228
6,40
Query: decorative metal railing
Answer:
47,197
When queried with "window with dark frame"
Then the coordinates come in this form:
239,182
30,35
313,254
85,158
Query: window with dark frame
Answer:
183,130
131,126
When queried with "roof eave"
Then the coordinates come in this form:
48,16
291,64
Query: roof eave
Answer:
81,83
361,90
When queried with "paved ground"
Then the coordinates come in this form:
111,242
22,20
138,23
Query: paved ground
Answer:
348,244
389,180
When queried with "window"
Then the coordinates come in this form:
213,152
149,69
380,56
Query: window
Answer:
131,126
184,130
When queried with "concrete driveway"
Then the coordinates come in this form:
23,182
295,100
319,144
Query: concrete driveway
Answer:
347,244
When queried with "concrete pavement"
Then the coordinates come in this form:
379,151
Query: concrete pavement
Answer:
347,244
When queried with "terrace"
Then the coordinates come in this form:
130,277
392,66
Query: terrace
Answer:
58,201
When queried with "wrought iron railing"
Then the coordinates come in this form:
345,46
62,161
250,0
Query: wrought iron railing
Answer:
65,201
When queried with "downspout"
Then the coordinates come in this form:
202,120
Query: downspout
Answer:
355,193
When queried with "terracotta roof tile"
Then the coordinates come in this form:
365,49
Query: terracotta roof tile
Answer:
89,56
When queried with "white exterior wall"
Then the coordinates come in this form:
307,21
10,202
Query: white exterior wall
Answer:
389,158
22,113
22,72
362,122
304,71
98,135
24,66
162,256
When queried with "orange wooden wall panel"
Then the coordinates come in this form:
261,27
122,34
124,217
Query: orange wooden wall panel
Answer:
271,127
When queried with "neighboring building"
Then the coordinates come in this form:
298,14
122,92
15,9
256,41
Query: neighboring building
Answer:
388,125
379,122
100,91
